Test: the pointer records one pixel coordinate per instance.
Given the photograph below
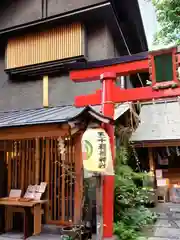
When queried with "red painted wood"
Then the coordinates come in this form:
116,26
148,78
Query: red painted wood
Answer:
109,95
143,94
108,85
91,99
124,95
178,58
120,69
175,76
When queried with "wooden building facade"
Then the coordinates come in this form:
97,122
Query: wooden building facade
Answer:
29,156
40,43
31,153
50,38
159,139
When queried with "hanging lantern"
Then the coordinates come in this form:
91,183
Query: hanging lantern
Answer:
96,152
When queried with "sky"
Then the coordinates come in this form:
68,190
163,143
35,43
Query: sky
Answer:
149,20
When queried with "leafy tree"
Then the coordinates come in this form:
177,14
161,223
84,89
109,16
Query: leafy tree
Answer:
168,16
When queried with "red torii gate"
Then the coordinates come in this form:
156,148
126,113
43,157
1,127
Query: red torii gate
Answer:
162,65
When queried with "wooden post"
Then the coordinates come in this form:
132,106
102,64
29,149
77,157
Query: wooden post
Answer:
108,84
37,219
47,174
37,161
78,181
23,159
151,160
152,166
45,91
9,171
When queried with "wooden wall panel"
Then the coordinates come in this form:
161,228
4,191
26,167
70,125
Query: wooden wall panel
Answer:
58,43
32,161
21,164
61,183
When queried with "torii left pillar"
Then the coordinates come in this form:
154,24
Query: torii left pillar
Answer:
108,80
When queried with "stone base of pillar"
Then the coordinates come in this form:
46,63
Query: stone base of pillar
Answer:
111,238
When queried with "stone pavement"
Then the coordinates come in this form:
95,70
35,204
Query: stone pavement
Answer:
43,236
167,226
49,232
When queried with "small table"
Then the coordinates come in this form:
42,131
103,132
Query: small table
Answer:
27,207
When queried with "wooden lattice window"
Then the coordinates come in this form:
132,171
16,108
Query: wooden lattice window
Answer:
64,42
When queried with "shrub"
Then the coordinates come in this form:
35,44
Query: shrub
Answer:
130,199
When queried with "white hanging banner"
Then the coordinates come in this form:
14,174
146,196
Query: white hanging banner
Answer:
96,152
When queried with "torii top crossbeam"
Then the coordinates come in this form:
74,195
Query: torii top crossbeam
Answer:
162,66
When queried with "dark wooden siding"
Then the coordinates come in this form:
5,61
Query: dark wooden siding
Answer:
55,7
18,12
14,13
27,93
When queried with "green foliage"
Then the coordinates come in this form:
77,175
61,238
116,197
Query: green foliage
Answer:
130,212
124,232
168,16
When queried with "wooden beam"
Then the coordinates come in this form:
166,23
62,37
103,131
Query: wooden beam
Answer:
121,69
122,95
157,144
5,146
28,132
125,95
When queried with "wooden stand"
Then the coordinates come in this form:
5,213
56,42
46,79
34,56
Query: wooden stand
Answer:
30,209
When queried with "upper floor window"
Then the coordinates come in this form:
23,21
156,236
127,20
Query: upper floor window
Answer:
53,45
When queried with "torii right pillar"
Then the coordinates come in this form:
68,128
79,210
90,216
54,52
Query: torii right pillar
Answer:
108,80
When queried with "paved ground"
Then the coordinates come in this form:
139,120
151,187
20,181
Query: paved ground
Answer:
43,236
167,226
49,233
12,236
